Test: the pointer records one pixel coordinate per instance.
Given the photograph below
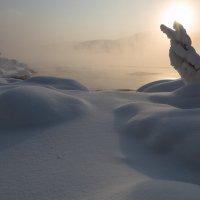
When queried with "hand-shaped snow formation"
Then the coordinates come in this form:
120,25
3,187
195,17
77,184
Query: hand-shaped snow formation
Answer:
183,56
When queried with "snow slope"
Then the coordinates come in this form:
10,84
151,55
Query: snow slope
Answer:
58,140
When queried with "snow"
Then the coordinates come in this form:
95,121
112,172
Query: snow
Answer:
162,86
59,140
14,68
182,55
34,106
57,83
164,190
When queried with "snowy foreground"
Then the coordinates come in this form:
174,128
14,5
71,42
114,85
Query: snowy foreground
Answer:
59,141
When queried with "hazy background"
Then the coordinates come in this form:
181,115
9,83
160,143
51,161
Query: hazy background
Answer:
105,44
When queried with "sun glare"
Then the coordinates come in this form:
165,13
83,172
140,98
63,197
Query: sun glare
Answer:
181,12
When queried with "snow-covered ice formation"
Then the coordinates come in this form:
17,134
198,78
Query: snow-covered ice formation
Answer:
182,55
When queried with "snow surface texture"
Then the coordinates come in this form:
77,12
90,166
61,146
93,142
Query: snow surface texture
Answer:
182,55
60,141
27,104
14,68
168,122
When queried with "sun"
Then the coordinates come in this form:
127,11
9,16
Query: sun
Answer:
180,12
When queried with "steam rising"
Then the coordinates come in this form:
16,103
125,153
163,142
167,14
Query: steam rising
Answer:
103,64
11,68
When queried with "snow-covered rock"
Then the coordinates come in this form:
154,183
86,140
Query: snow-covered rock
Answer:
13,68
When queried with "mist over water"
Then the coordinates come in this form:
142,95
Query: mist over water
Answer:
125,63
103,44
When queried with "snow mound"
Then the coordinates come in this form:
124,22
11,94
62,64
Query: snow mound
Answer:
162,86
6,81
158,190
84,158
167,122
54,82
164,190
35,106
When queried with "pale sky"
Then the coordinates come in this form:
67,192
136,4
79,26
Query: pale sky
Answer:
31,22
79,19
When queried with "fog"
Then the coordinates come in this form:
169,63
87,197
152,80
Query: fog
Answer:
124,63
104,44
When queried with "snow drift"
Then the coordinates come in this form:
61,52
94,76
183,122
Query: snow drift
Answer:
56,83
59,141
163,190
28,104
167,122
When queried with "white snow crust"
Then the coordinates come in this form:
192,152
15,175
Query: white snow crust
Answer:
60,141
